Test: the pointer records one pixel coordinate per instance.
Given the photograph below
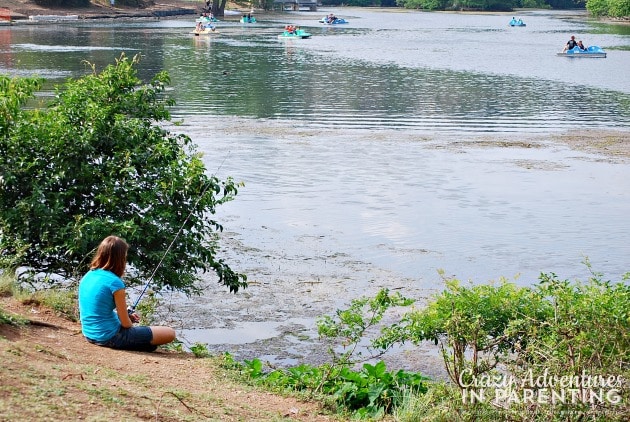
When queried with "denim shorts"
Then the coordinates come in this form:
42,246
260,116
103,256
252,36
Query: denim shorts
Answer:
134,338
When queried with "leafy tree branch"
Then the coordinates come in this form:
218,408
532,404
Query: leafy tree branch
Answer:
96,162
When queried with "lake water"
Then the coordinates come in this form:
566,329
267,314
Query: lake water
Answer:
377,153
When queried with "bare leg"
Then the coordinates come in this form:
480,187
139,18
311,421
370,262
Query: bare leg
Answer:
162,335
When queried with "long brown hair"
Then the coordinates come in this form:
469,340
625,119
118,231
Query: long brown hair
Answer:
111,255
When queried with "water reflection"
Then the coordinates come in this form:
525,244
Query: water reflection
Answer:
342,94
448,72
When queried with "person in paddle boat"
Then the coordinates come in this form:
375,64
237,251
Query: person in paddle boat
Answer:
202,27
581,46
105,318
570,44
207,15
331,18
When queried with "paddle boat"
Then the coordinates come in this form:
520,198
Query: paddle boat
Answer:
593,51
292,31
206,19
248,19
517,22
202,29
328,20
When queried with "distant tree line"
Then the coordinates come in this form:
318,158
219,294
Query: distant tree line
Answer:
467,4
612,8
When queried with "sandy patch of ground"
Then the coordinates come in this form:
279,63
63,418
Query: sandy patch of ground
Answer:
615,145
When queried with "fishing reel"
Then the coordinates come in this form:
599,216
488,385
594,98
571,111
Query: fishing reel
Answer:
132,315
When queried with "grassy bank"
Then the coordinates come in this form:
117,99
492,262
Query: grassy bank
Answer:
49,372
508,350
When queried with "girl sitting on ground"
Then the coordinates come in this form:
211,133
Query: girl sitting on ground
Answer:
105,320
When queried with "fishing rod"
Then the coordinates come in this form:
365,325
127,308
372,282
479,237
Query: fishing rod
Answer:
132,308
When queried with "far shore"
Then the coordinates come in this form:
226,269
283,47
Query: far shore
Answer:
22,11
27,11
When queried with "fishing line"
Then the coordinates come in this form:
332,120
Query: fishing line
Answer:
201,195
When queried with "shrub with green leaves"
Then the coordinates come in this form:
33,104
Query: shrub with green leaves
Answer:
200,350
370,392
612,8
96,162
470,325
553,330
373,391
586,336
350,326
588,328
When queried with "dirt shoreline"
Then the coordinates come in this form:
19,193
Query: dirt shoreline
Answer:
21,10
50,372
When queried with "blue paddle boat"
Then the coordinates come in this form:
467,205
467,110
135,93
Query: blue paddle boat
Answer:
248,19
594,52
291,31
207,19
517,22
327,20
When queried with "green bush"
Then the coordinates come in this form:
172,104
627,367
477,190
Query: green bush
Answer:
95,162
587,336
612,8
532,339
200,350
370,392
505,348
469,324
350,326
598,7
619,8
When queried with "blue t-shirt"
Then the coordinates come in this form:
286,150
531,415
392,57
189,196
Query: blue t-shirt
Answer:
97,310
